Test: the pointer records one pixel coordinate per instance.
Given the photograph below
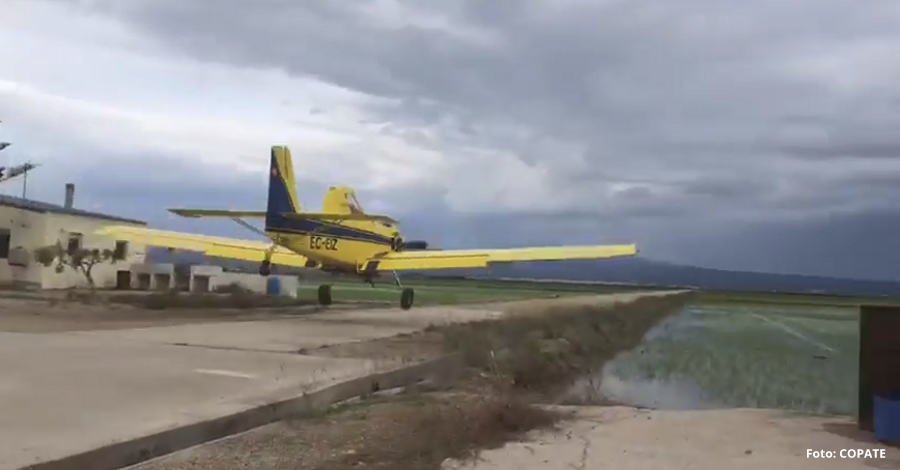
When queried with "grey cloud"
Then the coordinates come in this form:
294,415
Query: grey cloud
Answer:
712,110
642,86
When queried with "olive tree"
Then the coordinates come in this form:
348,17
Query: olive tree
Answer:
78,259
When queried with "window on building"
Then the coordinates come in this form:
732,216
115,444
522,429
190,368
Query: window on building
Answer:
4,243
75,242
121,250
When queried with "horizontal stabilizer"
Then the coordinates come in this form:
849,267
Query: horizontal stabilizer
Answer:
325,216
197,213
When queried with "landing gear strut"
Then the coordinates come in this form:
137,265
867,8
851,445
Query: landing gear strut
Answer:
265,267
407,294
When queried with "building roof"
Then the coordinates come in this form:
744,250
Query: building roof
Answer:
46,207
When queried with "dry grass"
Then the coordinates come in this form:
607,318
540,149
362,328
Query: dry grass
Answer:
408,431
422,435
543,353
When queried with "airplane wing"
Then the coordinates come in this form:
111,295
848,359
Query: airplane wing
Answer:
220,247
455,259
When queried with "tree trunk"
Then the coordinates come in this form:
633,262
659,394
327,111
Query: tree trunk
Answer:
87,275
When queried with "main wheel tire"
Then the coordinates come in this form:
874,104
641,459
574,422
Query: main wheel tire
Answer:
406,298
325,294
265,268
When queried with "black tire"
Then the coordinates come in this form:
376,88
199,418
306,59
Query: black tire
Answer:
406,298
265,268
325,294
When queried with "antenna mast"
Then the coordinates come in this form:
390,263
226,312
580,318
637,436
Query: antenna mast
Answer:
8,173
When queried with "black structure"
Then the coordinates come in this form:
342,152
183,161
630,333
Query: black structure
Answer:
879,357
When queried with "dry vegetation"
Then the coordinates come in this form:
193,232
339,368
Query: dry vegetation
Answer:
231,296
31,311
541,353
513,364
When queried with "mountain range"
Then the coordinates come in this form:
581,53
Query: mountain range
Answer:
637,270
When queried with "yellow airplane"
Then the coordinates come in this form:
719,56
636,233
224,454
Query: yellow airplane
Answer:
341,238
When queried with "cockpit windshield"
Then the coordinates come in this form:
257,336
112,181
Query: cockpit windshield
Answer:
353,203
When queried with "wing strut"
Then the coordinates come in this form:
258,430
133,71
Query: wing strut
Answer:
249,227
265,266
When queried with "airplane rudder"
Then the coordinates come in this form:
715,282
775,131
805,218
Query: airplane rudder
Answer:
281,197
289,179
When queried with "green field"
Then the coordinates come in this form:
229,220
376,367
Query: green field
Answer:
784,299
746,355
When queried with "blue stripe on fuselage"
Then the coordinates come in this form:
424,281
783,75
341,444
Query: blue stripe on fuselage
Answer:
278,224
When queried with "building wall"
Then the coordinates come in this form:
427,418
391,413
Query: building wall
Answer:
58,227
26,230
160,276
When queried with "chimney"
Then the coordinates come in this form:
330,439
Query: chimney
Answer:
70,195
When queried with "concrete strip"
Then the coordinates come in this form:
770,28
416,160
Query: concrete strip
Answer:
134,451
225,373
61,393
618,438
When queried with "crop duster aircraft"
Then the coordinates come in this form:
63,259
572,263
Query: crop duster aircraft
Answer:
341,238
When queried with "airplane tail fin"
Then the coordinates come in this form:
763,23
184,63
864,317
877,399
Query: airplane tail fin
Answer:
282,186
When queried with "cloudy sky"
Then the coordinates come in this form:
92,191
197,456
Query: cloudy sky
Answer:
759,135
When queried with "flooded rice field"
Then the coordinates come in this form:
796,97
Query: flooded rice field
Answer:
739,355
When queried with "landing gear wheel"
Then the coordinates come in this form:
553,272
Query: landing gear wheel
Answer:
265,268
325,294
406,298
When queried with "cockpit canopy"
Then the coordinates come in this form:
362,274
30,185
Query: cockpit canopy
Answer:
354,207
353,203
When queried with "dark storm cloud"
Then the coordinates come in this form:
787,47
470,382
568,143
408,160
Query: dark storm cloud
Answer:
702,110
671,93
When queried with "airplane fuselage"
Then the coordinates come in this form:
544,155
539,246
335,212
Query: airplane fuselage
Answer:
345,245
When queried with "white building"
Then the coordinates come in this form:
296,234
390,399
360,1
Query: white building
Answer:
26,225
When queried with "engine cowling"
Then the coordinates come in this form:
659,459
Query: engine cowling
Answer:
399,244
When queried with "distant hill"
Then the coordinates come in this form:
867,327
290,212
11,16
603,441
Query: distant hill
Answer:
637,270
648,272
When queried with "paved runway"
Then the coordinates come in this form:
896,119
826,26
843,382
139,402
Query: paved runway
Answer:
68,392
